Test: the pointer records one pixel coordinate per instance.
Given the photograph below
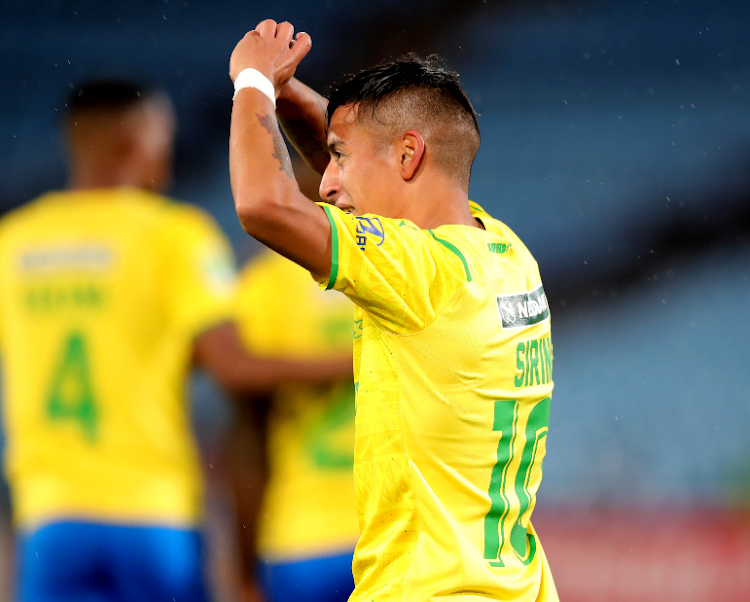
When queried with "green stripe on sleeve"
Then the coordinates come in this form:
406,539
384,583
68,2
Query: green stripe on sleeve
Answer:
334,249
452,247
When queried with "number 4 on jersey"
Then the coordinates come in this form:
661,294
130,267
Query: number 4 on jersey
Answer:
496,527
71,397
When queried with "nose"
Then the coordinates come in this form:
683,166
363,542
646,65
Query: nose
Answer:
330,186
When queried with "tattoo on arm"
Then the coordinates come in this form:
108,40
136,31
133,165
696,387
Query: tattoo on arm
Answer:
281,154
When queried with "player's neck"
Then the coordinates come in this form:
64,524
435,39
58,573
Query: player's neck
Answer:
439,204
90,178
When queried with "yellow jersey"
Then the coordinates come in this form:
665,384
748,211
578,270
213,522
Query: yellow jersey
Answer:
309,504
453,369
101,295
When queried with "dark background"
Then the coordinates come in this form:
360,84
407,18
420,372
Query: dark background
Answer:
616,143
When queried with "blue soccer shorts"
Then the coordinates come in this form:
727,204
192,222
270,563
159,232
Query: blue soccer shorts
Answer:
322,579
92,562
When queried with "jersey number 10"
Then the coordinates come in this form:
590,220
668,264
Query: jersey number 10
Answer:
496,523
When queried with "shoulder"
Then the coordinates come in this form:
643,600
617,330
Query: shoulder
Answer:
31,222
161,220
184,215
181,223
495,226
19,216
371,227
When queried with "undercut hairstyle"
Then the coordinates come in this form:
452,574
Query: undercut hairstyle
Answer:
420,94
110,95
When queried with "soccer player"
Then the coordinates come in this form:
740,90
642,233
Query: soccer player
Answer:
109,293
452,352
308,523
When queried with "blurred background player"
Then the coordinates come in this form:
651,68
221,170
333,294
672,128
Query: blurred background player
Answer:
307,523
109,293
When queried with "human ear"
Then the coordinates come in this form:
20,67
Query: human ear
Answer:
411,148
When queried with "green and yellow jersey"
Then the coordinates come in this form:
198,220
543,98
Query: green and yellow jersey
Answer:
309,505
453,369
101,295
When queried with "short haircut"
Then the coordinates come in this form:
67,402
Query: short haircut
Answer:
106,95
421,94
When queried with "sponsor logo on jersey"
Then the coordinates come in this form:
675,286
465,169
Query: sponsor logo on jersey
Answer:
520,310
369,227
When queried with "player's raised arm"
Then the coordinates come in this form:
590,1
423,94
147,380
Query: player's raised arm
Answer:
269,205
302,114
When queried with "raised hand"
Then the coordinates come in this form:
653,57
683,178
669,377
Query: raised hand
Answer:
263,183
272,49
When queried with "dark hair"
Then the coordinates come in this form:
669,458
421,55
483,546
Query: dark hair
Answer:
421,93
370,87
106,94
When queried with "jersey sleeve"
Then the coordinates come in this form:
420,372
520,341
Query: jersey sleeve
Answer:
391,269
201,276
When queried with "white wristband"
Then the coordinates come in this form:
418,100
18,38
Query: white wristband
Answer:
252,78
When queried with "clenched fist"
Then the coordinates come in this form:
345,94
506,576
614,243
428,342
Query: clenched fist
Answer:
272,49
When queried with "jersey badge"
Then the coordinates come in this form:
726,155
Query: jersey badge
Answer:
369,227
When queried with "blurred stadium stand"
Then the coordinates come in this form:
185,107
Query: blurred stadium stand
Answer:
616,142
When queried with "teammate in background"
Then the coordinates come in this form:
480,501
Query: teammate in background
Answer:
308,521
109,293
452,353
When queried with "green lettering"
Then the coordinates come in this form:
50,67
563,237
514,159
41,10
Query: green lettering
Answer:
534,444
71,396
519,364
528,364
494,533
324,447
534,361
499,248
547,359
96,296
536,431
46,298
80,296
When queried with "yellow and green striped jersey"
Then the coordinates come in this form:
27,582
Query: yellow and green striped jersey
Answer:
453,369
101,295
309,505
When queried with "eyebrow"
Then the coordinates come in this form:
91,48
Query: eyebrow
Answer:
335,144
